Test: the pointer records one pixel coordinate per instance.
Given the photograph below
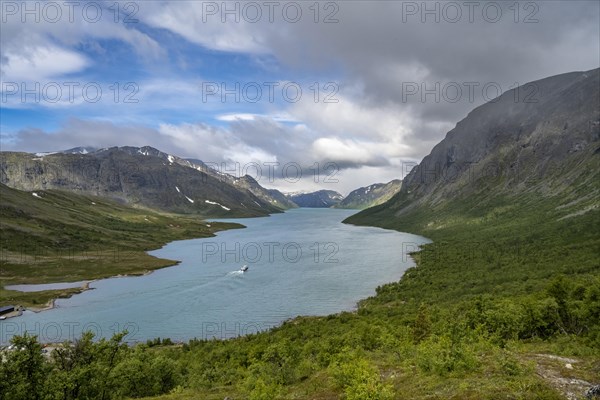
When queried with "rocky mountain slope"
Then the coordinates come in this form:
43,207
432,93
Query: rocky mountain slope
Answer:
318,199
140,176
535,143
271,196
371,195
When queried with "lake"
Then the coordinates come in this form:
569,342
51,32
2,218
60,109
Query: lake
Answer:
301,262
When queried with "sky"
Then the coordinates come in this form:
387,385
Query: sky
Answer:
301,95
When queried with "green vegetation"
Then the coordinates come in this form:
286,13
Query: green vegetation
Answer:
106,369
483,316
64,237
509,285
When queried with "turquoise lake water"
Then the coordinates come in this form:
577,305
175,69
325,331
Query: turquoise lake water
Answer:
302,262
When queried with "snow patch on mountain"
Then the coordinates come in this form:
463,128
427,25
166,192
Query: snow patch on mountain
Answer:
217,204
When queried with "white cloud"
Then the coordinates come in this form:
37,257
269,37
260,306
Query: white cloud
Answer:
187,19
232,117
214,145
347,151
41,63
237,117
52,48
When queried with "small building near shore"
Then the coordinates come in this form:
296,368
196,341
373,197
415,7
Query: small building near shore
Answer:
6,309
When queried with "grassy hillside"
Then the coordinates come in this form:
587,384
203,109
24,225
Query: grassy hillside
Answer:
493,300
63,237
504,244
504,304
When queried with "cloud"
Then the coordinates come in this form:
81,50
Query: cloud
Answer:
348,153
41,63
40,44
232,117
395,70
76,132
195,22
213,145
381,53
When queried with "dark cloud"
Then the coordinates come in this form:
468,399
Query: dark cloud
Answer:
375,46
377,52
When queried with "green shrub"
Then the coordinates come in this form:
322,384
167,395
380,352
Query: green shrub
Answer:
360,380
145,374
264,391
445,354
422,324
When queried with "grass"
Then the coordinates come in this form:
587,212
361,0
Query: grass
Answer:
508,284
63,237
494,271
35,300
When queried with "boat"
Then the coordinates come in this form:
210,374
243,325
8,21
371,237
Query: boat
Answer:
244,268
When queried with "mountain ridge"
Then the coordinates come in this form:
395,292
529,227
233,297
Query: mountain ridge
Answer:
139,176
319,199
369,196
547,148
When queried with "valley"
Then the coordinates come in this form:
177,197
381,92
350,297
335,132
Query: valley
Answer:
509,281
64,237
324,200
94,213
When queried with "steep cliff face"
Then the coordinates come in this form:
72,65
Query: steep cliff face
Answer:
371,195
540,140
140,176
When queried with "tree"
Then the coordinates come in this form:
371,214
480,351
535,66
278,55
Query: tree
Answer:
25,370
422,324
83,369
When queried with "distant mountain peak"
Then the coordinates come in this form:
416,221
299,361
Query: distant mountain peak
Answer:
372,195
80,150
320,199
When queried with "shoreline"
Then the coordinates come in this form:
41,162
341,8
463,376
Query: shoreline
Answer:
48,301
51,304
353,309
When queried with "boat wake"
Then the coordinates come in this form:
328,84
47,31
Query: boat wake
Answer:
239,271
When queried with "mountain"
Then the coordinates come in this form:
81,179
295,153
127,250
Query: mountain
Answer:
536,152
319,199
78,150
271,196
371,195
139,176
